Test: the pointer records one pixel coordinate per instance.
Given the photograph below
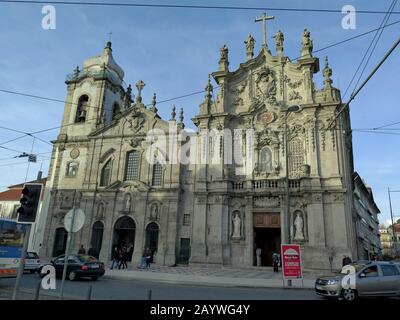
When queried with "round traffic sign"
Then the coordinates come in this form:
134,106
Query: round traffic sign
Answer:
79,220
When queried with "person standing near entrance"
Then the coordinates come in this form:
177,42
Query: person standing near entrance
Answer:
258,255
275,262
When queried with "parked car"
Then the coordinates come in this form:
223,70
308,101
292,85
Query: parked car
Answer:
372,279
79,266
32,262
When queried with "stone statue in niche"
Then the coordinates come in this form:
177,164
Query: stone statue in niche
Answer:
237,222
154,212
128,203
298,226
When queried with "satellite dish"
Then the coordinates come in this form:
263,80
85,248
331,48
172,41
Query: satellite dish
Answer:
79,220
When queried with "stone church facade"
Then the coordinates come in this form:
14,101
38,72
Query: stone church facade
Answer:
207,212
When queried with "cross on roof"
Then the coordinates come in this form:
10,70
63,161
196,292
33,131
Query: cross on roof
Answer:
264,19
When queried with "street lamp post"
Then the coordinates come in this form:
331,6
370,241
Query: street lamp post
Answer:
290,109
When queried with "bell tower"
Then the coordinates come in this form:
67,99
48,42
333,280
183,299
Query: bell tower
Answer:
95,95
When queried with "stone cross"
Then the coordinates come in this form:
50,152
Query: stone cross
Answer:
140,85
264,19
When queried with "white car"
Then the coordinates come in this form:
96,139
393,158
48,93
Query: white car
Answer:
32,262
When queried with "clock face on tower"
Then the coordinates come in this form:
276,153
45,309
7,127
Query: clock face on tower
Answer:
266,117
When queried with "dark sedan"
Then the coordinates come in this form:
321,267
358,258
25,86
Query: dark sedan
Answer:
79,266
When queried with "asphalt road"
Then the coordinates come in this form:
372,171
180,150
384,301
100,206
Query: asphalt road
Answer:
105,288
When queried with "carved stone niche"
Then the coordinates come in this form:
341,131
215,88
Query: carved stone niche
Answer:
67,200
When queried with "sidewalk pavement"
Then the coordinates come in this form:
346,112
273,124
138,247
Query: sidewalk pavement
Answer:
262,277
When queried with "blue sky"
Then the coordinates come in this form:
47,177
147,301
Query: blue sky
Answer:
172,51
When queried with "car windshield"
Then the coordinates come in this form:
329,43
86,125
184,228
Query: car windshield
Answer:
87,259
31,255
357,266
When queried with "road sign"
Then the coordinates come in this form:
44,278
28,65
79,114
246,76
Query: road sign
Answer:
79,220
291,261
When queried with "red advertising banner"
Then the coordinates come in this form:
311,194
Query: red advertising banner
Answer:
291,261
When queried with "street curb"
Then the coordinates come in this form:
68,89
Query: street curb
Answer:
207,281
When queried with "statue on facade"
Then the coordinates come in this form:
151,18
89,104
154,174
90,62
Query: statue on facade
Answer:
279,38
250,46
224,61
154,212
236,226
128,203
299,227
307,44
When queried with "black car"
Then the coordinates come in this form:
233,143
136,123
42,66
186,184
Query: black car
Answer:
79,266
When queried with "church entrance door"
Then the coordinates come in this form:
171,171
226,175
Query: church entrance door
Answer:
267,236
124,236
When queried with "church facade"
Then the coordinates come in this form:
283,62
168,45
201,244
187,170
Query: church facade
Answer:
269,164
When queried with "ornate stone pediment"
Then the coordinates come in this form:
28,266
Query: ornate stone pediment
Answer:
134,186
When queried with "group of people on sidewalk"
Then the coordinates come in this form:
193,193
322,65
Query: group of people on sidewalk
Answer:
120,256
146,260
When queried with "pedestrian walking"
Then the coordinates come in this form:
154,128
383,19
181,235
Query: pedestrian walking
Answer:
275,262
115,257
346,260
123,257
148,258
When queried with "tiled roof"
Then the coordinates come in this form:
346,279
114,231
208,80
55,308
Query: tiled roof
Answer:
10,195
14,192
20,185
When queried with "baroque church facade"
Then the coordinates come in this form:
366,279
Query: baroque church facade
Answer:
297,190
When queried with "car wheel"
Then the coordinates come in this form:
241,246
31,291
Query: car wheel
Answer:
94,278
72,276
349,294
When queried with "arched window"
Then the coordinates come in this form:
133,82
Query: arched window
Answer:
116,110
157,174
81,111
105,174
265,160
72,169
132,165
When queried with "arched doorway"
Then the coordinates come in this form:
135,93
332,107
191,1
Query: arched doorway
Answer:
60,242
152,231
97,238
124,235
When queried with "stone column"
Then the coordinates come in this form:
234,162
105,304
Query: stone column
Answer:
249,230
198,248
171,236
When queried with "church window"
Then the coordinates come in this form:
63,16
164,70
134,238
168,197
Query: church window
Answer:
116,110
105,174
296,155
186,219
81,110
72,169
132,166
265,160
157,174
